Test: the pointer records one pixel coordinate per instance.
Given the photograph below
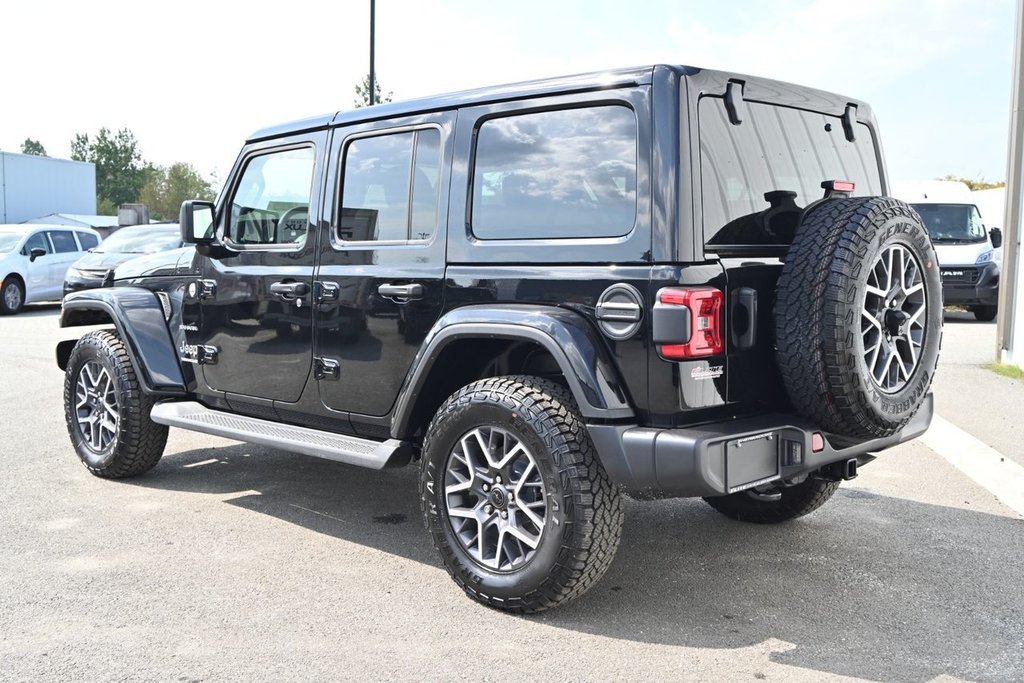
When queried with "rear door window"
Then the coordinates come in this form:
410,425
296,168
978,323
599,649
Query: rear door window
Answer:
556,174
757,175
390,187
63,241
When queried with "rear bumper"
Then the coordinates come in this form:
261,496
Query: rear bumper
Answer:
984,292
726,457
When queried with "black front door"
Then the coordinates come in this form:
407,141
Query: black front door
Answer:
382,260
256,304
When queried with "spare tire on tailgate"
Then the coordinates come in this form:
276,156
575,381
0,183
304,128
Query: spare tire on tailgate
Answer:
858,316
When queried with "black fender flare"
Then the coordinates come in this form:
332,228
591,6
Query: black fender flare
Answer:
139,318
574,344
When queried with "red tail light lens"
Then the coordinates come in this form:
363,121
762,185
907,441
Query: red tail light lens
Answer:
705,314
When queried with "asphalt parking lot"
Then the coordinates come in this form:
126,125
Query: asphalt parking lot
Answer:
235,562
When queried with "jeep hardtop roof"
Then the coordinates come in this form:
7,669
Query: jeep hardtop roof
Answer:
754,88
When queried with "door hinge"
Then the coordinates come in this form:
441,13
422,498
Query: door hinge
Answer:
325,292
201,289
326,368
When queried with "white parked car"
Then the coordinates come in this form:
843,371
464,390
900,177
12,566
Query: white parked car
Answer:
34,260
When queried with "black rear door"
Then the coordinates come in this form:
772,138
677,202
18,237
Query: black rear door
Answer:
380,277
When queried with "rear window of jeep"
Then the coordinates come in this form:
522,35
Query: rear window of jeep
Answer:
780,152
566,173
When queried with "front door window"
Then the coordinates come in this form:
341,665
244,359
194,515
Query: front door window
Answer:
271,204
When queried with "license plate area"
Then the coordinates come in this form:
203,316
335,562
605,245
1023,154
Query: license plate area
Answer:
751,461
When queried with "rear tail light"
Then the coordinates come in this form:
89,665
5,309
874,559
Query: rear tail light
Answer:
688,322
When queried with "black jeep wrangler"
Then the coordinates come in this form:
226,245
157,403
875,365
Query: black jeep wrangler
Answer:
664,281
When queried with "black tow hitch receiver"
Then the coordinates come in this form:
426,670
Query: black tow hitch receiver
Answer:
844,470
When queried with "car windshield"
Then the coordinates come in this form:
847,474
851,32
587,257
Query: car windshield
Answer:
9,240
140,241
952,223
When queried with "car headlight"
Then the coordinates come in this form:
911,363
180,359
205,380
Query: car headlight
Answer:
986,256
74,272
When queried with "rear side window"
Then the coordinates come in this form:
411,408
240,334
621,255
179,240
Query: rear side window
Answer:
63,242
390,187
758,175
556,174
87,241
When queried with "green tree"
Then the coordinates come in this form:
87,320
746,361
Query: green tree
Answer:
363,93
979,184
166,188
120,172
33,147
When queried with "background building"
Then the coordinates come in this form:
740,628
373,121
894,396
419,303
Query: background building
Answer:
34,186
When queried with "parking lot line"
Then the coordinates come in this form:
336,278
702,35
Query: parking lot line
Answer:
988,467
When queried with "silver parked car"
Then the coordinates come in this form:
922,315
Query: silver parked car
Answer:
34,259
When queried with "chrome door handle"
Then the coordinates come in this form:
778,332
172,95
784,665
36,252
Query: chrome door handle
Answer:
407,292
289,289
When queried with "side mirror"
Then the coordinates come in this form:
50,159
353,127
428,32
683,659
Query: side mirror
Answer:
196,222
36,253
996,235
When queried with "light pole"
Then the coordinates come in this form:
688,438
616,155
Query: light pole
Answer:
1010,326
373,7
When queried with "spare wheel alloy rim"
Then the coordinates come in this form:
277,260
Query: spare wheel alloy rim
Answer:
893,318
96,406
495,498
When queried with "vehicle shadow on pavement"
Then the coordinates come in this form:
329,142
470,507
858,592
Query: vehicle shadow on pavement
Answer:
869,586
39,310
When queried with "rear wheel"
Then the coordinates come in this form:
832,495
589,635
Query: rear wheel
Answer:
985,314
12,296
518,505
773,504
107,413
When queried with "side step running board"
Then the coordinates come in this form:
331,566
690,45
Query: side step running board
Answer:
347,449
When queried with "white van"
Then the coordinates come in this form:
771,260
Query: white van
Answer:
968,253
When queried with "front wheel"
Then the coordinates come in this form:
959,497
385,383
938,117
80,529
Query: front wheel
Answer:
12,296
518,505
773,504
107,413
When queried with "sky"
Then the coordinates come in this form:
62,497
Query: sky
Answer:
193,79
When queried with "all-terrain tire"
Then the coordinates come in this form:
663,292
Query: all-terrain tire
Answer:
583,508
778,505
820,328
133,444
12,295
985,314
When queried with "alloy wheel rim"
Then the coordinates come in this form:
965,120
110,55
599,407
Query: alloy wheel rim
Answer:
495,498
12,297
893,318
96,409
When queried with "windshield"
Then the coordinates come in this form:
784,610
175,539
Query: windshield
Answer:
958,223
9,240
140,241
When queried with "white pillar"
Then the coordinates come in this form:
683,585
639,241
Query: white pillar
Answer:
1010,330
